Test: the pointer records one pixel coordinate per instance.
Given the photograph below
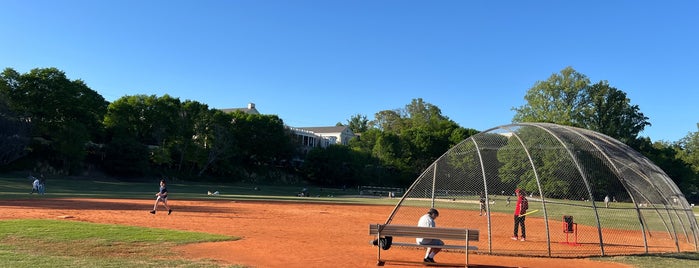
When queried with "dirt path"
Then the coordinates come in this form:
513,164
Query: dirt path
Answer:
274,234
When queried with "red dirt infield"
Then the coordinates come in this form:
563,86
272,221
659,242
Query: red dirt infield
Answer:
274,234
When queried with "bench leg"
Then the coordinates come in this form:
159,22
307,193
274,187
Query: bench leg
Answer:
466,248
378,256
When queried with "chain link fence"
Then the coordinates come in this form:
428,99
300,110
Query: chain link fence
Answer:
588,194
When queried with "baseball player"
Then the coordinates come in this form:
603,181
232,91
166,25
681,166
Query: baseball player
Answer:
161,196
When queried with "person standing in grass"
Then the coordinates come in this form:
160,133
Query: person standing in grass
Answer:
161,196
35,184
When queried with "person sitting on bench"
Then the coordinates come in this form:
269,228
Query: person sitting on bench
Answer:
427,220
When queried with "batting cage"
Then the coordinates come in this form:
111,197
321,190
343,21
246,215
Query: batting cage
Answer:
587,193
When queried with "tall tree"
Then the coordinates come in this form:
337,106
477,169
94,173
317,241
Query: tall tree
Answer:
263,139
14,133
569,99
689,149
358,123
56,107
388,120
557,100
609,111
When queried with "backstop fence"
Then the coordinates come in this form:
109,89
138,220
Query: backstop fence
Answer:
588,194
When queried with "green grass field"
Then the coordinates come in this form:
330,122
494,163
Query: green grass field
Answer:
115,246
53,243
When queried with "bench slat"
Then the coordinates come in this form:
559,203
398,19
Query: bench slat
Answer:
434,246
424,232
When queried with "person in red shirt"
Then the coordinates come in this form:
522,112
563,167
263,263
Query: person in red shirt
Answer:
520,209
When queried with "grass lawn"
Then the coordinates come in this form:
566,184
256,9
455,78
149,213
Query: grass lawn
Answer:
54,243
669,260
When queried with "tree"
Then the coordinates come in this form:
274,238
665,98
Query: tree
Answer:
152,120
218,140
336,165
688,152
407,140
57,107
14,133
569,99
358,123
388,120
609,111
689,149
557,100
263,139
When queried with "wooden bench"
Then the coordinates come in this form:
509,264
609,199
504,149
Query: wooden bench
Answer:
465,235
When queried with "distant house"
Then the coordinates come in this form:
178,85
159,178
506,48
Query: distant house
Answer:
310,137
248,110
334,135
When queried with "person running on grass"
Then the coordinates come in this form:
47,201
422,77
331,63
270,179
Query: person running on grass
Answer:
161,196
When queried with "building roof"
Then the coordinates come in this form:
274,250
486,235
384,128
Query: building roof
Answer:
333,129
248,110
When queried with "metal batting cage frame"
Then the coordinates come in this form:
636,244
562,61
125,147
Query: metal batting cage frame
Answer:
588,194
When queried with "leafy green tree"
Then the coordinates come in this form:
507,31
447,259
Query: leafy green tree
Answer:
57,107
668,156
388,120
560,99
609,111
553,165
14,133
569,99
218,142
407,140
358,123
335,166
124,155
689,152
263,139
154,121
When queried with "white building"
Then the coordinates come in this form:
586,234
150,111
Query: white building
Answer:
310,137
248,110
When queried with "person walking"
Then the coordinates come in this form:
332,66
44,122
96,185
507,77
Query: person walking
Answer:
427,220
520,209
161,196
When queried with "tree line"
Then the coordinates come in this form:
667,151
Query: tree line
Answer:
53,124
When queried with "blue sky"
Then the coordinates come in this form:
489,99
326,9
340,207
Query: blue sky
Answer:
316,63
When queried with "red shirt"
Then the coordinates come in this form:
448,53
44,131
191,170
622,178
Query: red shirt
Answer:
522,205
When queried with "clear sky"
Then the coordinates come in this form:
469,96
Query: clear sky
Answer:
316,63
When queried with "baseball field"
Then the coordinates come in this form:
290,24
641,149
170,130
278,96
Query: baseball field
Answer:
244,226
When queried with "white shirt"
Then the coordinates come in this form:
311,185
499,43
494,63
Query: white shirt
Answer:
425,221
35,184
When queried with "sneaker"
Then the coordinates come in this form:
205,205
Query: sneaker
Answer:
514,238
152,212
429,260
169,211
523,239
